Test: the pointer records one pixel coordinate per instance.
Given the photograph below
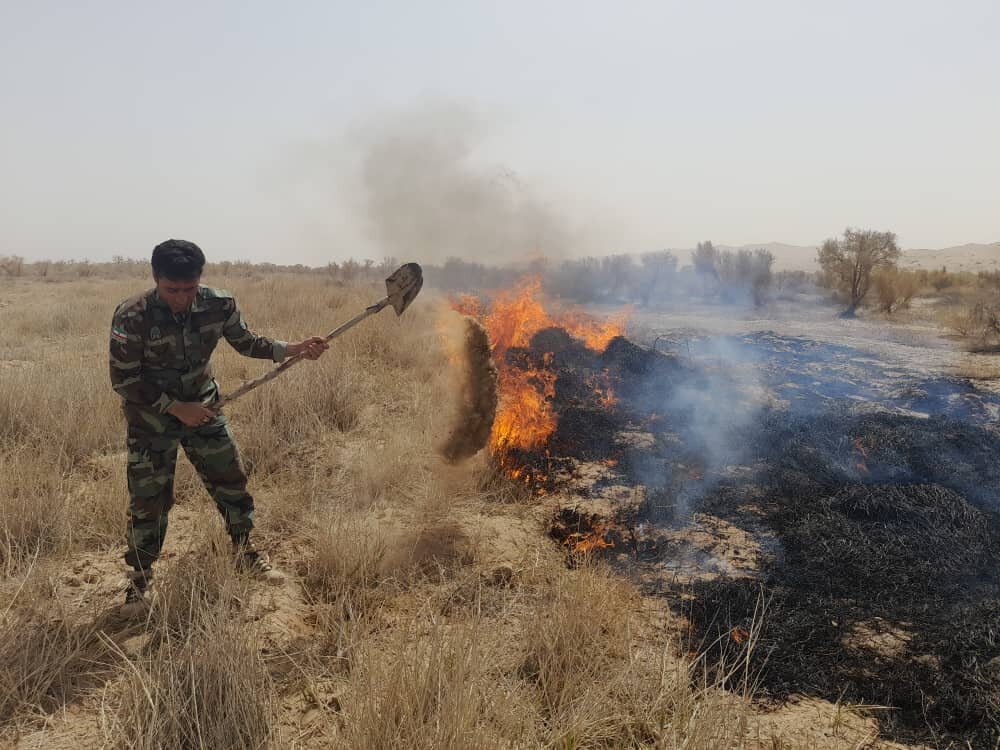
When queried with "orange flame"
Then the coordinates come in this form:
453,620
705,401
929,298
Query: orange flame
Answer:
581,544
525,418
603,391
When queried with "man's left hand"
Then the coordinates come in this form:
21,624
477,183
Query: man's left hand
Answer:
310,348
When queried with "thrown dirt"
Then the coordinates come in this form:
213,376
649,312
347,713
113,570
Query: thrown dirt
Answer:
477,397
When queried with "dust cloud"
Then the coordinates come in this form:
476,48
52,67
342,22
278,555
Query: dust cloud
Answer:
477,396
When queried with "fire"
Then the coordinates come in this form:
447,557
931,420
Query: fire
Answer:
581,544
602,390
467,304
594,333
525,418
740,635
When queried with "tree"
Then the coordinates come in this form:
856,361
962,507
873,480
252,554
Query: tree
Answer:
616,270
576,279
654,274
848,263
705,259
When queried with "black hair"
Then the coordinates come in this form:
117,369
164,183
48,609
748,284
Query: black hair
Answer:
178,260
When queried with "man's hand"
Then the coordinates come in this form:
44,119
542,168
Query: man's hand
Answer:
192,413
310,348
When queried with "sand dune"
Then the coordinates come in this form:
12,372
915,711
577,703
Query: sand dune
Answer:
970,257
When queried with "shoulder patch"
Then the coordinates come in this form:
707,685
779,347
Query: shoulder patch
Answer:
117,334
209,292
135,304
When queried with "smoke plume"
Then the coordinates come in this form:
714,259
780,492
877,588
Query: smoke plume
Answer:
424,193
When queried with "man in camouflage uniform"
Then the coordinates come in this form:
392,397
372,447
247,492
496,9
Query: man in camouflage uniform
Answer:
161,343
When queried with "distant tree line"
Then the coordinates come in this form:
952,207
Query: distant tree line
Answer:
647,280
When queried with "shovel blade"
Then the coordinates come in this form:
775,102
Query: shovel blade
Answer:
403,286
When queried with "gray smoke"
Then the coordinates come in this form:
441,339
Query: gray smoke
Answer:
719,404
424,192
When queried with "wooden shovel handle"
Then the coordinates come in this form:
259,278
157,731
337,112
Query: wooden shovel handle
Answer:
251,384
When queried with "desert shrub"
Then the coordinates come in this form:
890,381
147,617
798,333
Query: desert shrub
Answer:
894,288
12,265
790,283
579,631
36,516
347,558
988,279
655,278
940,280
578,280
978,321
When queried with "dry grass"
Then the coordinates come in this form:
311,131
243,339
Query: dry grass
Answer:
200,681
46,656
602,681
394,630
424,691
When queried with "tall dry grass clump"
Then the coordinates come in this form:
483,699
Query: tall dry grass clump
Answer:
428,692
600,682
346,578
57,412
53,422
200,681
578,632
46,656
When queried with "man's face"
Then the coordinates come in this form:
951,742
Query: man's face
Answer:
177,293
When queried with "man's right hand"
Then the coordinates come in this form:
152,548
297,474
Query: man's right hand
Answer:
192,413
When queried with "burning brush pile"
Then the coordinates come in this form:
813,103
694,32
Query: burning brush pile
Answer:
556,383
878,561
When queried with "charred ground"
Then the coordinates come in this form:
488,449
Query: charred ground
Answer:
871,494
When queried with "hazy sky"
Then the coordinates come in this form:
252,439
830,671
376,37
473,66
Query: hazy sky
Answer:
250,127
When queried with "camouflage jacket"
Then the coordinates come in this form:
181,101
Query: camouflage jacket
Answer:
159,358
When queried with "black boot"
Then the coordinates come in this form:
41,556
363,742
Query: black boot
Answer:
135,592
251,560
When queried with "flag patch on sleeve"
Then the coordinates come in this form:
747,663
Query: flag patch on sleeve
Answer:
117,334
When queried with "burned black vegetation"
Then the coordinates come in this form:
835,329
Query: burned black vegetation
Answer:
888,587
880,496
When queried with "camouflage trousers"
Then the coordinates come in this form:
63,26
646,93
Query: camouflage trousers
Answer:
152,459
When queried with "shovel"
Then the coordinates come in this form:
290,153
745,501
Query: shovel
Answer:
401,289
